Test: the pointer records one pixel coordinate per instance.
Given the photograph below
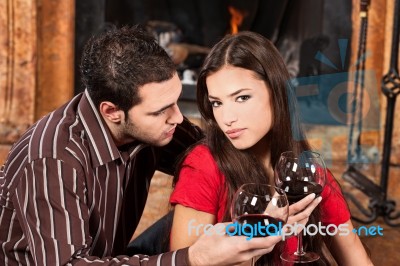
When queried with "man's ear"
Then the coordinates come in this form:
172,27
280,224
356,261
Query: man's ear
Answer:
111,112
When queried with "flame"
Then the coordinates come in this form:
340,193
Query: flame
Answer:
236,19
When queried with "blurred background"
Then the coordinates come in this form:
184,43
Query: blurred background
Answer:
337,53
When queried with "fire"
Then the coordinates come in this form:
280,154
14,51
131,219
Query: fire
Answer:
236,19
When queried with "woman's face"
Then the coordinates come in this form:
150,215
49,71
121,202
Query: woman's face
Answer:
241,104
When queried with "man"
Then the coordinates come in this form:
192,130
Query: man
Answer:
74,186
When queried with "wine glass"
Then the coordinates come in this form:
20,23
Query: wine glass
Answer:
300,174
259,204
260,209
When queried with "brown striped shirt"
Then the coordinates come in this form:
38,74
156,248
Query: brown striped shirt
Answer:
69,196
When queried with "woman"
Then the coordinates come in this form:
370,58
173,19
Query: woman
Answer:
250,116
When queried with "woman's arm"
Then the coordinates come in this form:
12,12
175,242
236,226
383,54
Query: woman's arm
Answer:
188,225
348,249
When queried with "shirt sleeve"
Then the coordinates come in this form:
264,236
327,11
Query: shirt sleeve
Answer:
334,209
200,182
55,219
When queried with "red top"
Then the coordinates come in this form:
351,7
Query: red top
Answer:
201,187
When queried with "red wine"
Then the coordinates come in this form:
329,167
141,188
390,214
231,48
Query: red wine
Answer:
297,190
261,225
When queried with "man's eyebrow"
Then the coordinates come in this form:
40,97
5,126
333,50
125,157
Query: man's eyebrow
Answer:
161,109
230,95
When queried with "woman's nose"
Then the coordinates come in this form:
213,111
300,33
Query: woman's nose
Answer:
229,116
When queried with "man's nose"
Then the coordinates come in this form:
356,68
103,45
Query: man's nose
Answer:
176,116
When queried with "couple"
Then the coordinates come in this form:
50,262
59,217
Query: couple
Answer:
74,186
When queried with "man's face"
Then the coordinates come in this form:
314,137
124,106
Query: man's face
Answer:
153,121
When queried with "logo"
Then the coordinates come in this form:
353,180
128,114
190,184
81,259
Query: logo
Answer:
341,98
280,229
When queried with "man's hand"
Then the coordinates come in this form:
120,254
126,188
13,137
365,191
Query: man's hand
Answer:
217,248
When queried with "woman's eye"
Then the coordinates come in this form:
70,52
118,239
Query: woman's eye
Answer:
215,103
243,98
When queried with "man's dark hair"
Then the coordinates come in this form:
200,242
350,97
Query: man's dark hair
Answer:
119,61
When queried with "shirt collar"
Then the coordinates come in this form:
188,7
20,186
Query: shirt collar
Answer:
102,147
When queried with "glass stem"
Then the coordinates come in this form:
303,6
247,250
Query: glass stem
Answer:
300,251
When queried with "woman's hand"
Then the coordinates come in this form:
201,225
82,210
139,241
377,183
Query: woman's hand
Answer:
300,212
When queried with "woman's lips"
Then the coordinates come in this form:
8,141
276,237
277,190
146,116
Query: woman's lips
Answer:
234,133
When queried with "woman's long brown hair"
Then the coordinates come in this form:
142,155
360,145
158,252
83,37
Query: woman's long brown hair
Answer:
254,52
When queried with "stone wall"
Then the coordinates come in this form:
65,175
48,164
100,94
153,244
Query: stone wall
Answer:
378,46
395,148
36,65
18,25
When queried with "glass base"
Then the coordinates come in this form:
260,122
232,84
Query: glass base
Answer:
304,258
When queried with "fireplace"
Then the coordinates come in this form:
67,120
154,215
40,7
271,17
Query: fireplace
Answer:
299,29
